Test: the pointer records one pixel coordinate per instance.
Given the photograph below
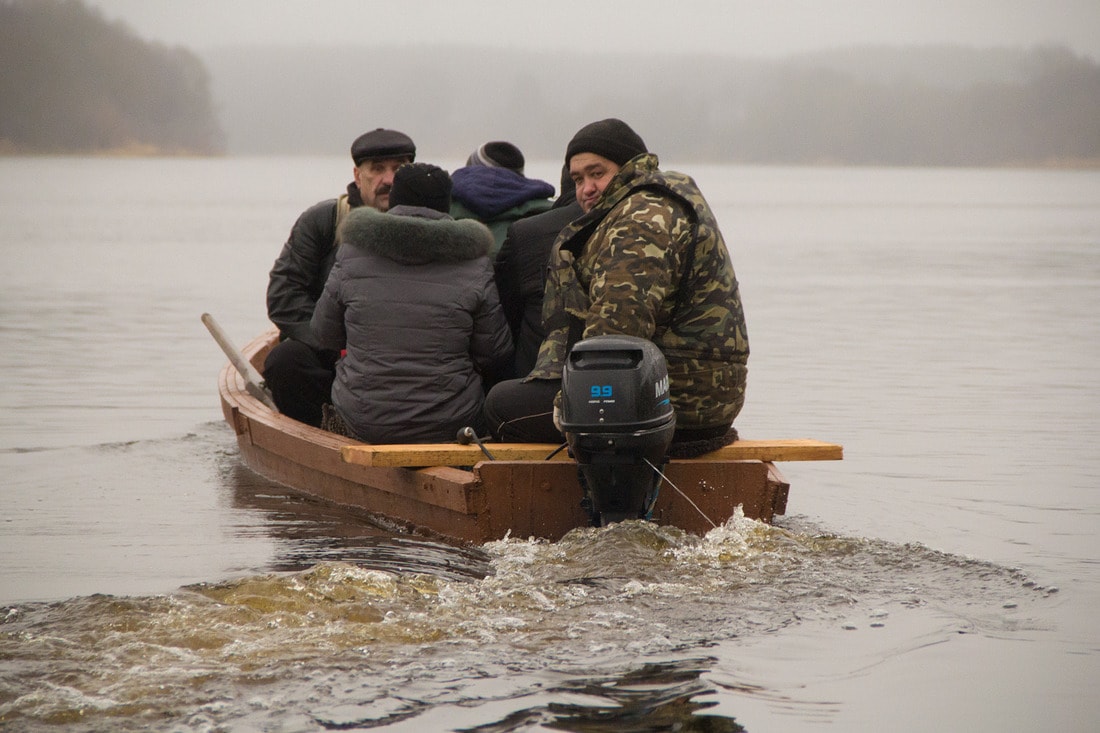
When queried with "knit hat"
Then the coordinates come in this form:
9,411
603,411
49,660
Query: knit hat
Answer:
498,154
611,138
378,144
421,184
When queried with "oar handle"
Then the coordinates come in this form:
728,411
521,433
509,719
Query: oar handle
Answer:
253,382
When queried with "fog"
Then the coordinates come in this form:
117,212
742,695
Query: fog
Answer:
765,28
870,106
532,72
976,84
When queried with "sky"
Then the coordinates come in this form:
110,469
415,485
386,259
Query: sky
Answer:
754,28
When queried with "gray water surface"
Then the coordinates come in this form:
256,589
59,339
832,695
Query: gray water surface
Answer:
940,324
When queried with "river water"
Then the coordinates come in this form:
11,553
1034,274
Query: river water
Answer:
943,325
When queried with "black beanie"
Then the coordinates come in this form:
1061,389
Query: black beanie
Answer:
611,138
498,154
380,144
421,184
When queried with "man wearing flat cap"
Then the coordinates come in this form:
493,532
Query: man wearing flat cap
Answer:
297,371
645,259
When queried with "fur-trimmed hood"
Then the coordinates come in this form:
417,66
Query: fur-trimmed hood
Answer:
413,240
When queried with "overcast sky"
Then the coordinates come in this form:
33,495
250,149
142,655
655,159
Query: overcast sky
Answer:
736,27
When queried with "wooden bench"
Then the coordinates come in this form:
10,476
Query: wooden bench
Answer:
454,454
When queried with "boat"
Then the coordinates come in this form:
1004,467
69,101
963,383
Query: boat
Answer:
481,491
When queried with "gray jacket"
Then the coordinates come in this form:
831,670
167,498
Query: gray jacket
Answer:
412,295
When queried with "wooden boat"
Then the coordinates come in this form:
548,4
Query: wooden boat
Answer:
455,491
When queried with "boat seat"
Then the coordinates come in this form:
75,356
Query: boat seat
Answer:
454,454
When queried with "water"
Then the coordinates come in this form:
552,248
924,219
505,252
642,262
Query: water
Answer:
941,324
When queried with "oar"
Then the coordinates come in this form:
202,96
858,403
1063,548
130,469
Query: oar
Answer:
253,382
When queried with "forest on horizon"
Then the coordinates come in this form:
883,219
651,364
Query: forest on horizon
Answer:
75,83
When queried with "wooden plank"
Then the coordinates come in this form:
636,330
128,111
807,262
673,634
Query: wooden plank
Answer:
793,449
531,498
709,491
453,454
447,454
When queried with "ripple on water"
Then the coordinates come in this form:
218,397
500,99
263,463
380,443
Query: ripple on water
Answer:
403,643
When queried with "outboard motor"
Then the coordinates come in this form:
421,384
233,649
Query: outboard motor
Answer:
616,415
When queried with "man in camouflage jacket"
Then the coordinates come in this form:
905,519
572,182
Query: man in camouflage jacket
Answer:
646,259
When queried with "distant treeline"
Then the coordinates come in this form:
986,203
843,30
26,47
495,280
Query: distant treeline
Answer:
71,82
870,106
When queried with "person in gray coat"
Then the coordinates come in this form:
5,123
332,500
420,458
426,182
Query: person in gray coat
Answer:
412,295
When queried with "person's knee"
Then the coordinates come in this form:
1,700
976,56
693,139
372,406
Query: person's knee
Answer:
521,411
496,406
287,358
300,380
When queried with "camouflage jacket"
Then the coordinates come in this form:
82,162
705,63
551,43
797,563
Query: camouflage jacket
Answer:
649,260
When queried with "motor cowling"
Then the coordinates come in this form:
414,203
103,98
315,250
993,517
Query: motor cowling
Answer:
618,421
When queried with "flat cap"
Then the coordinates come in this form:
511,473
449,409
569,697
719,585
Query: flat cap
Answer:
382,143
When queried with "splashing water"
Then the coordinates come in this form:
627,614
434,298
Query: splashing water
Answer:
340,645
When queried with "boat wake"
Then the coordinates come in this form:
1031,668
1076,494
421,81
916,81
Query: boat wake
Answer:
608,619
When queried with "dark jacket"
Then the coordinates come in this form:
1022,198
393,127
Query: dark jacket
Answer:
521,278
412,296
303,265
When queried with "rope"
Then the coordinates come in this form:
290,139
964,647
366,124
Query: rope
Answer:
677,488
